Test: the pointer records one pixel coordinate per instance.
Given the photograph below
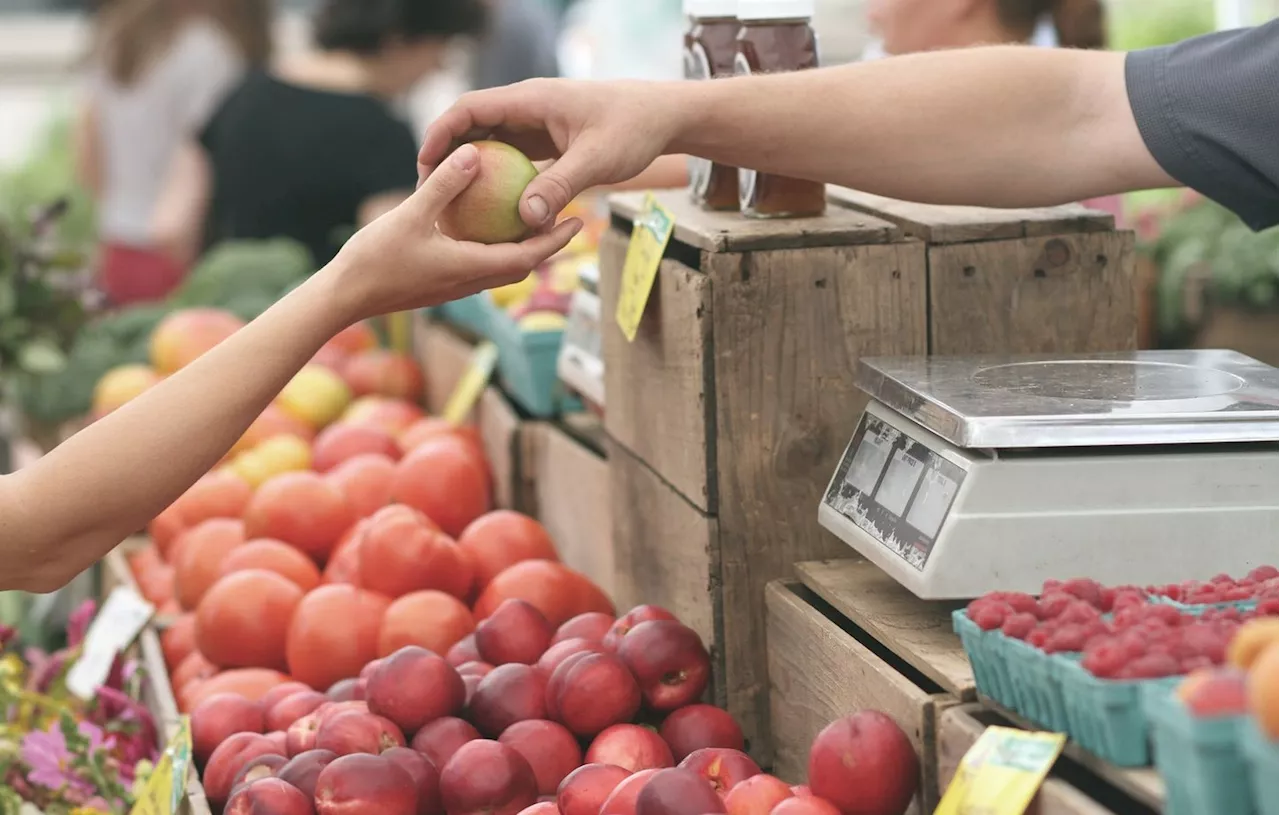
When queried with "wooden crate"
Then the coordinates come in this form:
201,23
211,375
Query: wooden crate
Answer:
569,480
444,355
1070,789
822,668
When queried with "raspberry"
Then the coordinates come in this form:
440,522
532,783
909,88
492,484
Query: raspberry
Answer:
1151,665
1265,573
1050,586
1021,603
1067,639
1079,612
1168,615
1190,664
1053,604
1019,625
991,616
1222,579
1269,607
1088,590
1237,594
1105,660
1038,637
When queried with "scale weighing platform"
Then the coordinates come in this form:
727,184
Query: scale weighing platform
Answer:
969,475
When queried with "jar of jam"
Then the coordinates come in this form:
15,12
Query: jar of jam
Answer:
710,48
777,36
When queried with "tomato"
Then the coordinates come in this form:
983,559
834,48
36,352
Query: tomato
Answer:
401,552
429,619
301,509
251,683
243,619
334,633
165,529
443,479
198,559
503,538
365,481
343,441
557,591
219,494
274,556
178,640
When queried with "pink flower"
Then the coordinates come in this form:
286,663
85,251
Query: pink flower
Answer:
7,635
50,764
79,621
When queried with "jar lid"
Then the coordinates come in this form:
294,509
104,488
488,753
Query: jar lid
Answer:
711,9
775,9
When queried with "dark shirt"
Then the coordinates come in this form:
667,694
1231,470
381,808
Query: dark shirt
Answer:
297,162
1206,108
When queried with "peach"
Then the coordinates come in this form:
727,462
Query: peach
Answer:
631,747
487,778
584,791
303,770
229,759
280,739
360,783
669,661
425,777
488,210
480,669
515,632
724,769
186,334
1251,640
440,739
508,694
541,808
341,442
622,801
413,686
472,683
378,372
560,651
365,481
261,767
590,692
121,385
292,708
368,669
805,805
269,795
678,792
1261,686
551,750
757,795
801,791
697,726
347,690
301,735
864,763
464,650
623,625
355,732
591,626
281,692
393,415
218,718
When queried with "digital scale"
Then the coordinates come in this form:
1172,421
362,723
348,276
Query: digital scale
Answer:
969,475
580,364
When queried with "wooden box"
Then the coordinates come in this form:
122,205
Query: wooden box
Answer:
729,411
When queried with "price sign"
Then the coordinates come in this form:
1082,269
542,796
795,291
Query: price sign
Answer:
649,238
1001,773
168,781
472,384
117,624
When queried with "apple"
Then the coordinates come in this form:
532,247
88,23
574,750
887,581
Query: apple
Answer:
462,651
864,763
669,662
590,692
584,791
805,805
591,626
560,651
355,732
303,770
631,747
440,739
515,632
678,792
623,625
269,795
757,795
697,726
622,801
487,778
414,686
508,694
365,783
218,718
228,759
723,768
426,777
551,750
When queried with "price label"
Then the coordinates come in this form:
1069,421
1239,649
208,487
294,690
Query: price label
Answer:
465,394
1001,773
117,624
168,781
649,238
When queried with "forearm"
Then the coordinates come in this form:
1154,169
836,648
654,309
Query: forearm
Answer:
1001,126
68,509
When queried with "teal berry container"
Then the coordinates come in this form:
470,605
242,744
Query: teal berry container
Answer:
1106,716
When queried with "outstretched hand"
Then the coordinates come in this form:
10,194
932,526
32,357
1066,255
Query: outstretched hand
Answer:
597,132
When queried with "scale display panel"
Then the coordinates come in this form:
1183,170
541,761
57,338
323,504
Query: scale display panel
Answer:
895,489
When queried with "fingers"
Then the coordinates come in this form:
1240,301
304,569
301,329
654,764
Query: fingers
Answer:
520,258
444,184
553,188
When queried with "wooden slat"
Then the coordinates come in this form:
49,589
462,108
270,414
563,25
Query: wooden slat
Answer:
571,485
731,232
819,673
500,433
660,398
444,356
951,224
957,732
1072,293
790,327
918,631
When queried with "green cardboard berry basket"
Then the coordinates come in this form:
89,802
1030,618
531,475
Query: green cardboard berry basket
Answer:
1105,716
987,657
527,365
1263,760
1202,760
470,313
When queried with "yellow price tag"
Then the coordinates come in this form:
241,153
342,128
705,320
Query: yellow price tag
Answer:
649,238
472,384
1001,773
168,781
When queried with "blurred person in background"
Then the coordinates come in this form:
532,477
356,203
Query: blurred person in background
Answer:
519,43
157,71
311,148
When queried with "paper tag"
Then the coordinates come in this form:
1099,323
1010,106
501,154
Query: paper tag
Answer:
1001,773
400,332
649,238
118,622
168,781
472,384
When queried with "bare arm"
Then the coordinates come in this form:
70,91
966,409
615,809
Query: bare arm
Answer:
66,510
1001,126
178,220
87,146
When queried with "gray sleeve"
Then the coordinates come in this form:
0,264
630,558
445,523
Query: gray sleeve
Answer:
1206,108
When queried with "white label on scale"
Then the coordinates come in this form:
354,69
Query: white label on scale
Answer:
868,463
932,502
900,482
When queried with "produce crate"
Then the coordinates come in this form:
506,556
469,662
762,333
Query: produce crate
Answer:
1069,789
468,313
569,477
1202,761
731,407
527,365
846,639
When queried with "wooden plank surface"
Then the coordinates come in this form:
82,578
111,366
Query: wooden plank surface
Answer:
957,732
790,327
500,434
571,487
819,673
918,631
1072,293
952,224
659,386
731,232
664,551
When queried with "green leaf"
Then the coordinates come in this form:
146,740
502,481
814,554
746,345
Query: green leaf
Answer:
41,357
8,297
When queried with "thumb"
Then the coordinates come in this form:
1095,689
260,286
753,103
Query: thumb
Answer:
552,189
447,181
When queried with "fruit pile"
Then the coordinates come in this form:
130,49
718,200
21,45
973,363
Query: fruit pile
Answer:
1259,585
1244,683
